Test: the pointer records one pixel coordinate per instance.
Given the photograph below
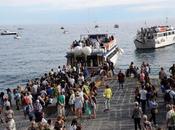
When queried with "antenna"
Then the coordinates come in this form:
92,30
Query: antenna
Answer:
166,20
145,24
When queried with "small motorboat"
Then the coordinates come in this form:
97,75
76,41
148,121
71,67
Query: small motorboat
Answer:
6,32
62,28
96,26
17,37
65,32
116,26
20,28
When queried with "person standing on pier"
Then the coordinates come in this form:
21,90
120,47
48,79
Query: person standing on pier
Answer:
78,103
107,95
136,115
146,124
121,79
162,74
153,107
61,104
9,119
143,98
169,114
172,70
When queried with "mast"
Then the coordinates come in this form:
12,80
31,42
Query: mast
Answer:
166,21
145,24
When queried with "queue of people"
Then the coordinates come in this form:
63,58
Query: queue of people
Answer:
146,106
75,93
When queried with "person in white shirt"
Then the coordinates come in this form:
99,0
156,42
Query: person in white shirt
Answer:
81,94
143,98
43,120
6,102
34,89
168,116
59,69
172,94
80,78
11,125
72,81
51,72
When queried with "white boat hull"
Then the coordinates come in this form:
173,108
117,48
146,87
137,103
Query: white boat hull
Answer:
115,58
154,43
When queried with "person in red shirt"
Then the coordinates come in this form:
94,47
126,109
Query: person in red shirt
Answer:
121,79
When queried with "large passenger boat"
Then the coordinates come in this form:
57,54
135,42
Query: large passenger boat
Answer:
155,37
93,50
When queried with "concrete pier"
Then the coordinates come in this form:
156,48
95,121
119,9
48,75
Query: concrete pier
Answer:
118,118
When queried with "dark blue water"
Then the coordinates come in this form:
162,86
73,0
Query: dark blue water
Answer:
43,47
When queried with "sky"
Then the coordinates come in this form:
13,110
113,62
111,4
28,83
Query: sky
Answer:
83,11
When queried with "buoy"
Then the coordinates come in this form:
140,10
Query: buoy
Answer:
77,50
87,50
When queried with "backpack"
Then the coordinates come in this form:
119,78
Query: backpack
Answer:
167,96
26,100
137,113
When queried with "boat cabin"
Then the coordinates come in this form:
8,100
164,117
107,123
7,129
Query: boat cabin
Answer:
90,50
156,31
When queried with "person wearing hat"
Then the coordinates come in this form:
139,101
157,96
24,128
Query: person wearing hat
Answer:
136,115
78,103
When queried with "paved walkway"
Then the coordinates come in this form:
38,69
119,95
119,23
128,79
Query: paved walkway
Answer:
119,118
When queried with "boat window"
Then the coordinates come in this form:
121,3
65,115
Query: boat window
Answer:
169,33
155,35
92,61
150,36
80,59
160,35
70,60
164,34
97,36
172,32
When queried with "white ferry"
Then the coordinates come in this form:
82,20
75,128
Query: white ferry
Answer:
155,37
6,32
93,50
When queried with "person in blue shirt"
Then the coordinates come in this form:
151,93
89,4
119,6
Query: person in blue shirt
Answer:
153,107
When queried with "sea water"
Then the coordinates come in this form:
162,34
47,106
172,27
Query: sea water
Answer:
43,47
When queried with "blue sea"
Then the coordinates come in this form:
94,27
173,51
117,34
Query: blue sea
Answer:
43,47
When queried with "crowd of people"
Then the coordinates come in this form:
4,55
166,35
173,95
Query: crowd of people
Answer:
75,93
145,100
73,89
145,110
